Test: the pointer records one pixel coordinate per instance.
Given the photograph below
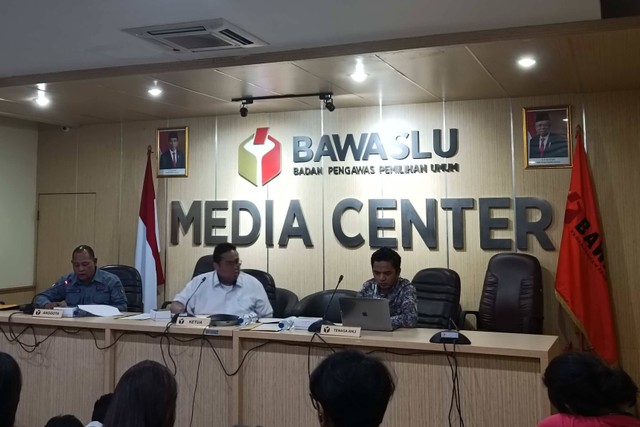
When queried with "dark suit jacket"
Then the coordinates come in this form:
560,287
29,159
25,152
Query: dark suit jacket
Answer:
556,147
167,163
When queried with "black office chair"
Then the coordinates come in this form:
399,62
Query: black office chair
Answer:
132,283
438,292
285,301
205,265
314,305
511,299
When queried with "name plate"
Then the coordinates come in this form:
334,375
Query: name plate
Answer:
192,322
42,312
343,331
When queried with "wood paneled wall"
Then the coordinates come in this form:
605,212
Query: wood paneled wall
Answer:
109,160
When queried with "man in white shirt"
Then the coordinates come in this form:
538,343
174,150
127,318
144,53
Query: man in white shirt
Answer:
226,290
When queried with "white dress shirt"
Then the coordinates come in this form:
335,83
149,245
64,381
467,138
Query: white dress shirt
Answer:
246,296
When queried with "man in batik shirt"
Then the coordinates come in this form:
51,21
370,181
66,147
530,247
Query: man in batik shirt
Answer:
387,283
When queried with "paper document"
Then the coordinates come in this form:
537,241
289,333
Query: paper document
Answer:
100,310
269,319
139,316
304,322
269,327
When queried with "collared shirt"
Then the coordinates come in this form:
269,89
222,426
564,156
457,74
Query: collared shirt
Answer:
104,288
403,304
246,296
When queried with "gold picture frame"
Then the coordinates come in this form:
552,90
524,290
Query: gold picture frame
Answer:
547,137
172,146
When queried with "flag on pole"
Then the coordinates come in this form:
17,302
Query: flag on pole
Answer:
581,280
147,243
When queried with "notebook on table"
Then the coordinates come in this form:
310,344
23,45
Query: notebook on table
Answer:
368,313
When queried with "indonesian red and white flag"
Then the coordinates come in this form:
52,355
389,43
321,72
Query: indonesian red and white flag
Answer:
147,243
581,279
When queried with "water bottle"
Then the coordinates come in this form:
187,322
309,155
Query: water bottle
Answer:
286,324
248,319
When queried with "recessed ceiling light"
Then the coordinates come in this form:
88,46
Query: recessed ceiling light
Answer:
359,75
155,90
526,62
41,99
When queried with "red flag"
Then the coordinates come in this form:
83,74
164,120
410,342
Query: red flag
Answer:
147,247
581,280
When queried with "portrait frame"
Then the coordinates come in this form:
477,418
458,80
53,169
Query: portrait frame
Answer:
552,125
172,165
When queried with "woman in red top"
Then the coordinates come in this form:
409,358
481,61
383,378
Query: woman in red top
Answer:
587,393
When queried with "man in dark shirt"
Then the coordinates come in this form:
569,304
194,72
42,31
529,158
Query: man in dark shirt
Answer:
86,285
387,283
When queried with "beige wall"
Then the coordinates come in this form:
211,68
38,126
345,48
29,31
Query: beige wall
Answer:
18,145
109,160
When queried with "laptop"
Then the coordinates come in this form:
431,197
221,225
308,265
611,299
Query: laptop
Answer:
369,313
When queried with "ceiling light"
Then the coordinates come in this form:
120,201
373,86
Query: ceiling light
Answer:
359,75
526,62
155,90
328,101
42,99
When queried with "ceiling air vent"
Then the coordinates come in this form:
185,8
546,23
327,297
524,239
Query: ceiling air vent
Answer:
199,36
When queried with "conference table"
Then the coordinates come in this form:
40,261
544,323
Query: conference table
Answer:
235,375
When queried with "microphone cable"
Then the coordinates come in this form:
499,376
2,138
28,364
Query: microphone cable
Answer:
455,385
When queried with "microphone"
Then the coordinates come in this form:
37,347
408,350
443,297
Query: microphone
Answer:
315,326
450,336
174,319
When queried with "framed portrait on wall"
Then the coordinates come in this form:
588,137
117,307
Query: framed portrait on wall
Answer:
547,137
173,151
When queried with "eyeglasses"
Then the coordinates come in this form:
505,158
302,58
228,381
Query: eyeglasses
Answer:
234,263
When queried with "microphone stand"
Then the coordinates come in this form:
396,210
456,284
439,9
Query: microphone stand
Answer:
315,326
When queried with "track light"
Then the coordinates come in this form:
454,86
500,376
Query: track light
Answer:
327,97
328,104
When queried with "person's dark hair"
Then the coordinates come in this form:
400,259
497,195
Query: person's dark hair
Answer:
173,135
84,248
144,397
387,254
10,386
64,421
222,249
353,389
582,384
100,407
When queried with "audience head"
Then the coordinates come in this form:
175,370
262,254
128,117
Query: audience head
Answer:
349,389
582,384
100,407
10,386
144,397
64,421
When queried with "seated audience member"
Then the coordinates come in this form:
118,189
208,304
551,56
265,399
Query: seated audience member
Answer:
145,396
226,290
350,389
100,410
387,283
64,421
10,386
86,285
588,393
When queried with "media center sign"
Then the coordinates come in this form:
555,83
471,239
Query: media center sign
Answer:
259,162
